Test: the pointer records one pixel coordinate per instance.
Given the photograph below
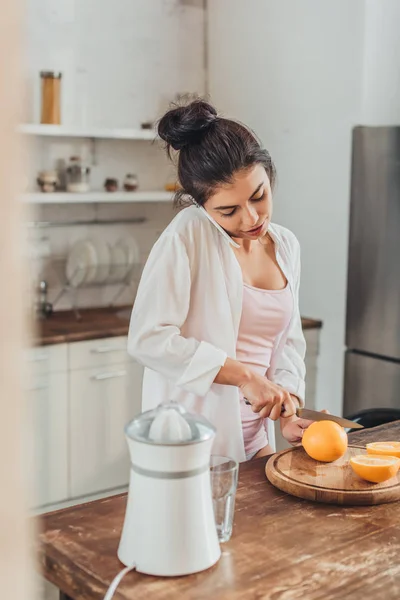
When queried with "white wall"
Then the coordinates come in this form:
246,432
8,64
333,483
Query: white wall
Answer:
122,61
381,86
293,71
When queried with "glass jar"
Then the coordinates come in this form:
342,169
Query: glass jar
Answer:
51,97
78,176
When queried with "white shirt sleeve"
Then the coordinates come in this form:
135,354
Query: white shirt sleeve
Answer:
160,310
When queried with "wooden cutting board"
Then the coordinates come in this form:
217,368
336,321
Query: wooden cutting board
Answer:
295,473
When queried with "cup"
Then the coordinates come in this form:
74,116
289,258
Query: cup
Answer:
224,478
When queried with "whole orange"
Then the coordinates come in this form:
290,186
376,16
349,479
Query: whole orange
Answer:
325,441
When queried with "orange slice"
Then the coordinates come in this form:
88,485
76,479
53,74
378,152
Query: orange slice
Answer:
384,448
375,468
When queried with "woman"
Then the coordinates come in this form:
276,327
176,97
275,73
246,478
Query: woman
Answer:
216,319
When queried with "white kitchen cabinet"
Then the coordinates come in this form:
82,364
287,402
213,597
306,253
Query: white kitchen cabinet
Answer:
80,396
47,398
102,401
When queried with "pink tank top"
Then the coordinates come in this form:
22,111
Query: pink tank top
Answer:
265,314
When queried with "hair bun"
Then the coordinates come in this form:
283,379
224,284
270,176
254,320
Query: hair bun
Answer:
185,125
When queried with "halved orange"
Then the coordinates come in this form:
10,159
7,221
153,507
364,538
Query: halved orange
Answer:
375,468
384,448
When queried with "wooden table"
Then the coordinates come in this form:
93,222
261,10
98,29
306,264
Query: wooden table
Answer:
282,548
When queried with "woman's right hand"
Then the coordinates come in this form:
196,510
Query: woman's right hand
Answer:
267,398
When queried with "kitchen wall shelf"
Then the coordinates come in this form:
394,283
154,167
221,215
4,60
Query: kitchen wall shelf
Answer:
90,132
96,197
47,224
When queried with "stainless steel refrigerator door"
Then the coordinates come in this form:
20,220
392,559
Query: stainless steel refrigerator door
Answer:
370,383
373,296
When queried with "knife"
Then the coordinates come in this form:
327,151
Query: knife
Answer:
315,415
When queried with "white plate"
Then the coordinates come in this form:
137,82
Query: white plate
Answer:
119,264
103,257
79,263
91,263
131,250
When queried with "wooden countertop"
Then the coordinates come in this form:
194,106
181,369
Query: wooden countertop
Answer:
282,548
95,323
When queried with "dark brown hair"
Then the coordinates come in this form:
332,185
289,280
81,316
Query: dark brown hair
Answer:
211,149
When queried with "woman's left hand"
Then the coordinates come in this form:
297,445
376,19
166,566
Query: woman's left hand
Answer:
293,430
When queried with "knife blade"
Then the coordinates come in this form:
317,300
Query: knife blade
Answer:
315,415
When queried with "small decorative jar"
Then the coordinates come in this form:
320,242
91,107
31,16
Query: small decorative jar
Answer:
130,183
111,185
47,181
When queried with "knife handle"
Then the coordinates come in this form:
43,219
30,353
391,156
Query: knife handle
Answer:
282,407
297,413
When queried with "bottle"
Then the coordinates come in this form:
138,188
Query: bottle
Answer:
43,308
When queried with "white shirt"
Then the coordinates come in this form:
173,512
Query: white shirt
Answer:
185,323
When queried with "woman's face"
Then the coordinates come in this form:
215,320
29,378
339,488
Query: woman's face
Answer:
244,207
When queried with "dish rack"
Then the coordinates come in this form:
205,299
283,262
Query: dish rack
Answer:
129,275
93,262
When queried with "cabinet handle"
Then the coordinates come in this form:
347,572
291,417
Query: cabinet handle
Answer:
102,376
38,358
105,349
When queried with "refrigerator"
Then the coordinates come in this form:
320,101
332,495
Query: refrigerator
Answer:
372,359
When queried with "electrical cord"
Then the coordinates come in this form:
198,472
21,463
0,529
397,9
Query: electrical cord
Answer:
116,581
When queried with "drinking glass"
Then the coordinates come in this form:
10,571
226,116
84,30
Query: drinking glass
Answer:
224,477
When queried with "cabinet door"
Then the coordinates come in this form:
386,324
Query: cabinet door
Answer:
48,405
102,402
